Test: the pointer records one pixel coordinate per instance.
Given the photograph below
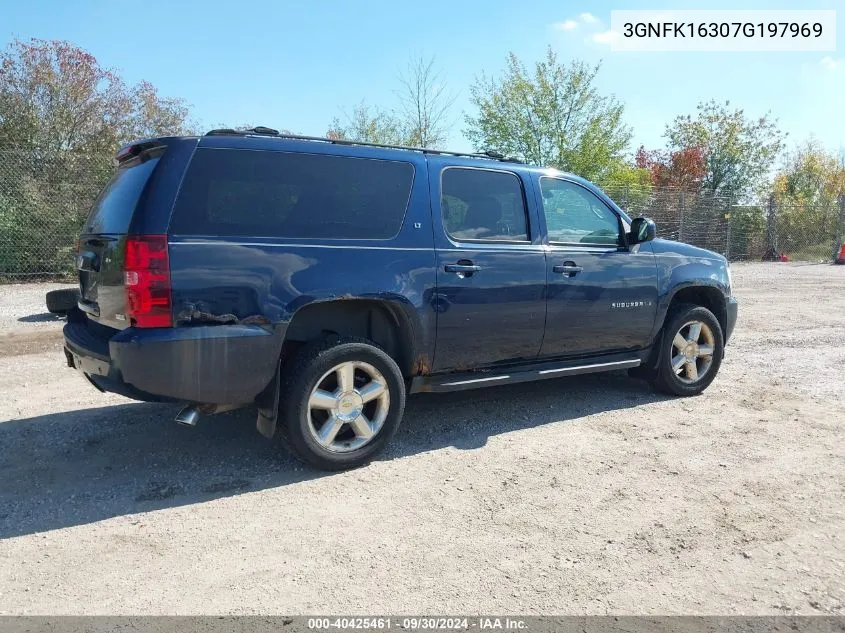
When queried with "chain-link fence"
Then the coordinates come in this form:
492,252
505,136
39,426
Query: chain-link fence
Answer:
763,231
44,201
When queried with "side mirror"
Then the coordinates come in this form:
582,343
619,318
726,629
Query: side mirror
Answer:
642,230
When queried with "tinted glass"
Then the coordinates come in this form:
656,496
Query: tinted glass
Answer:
576,215
277,194
112,212
483,205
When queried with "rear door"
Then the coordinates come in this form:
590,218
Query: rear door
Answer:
602,295
99,259
491,272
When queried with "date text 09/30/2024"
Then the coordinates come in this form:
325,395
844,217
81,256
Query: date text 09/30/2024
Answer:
418,623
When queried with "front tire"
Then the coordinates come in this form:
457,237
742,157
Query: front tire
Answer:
342,401
691,353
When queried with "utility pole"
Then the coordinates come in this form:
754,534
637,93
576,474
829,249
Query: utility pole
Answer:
839,247
771,232
840,232
681,217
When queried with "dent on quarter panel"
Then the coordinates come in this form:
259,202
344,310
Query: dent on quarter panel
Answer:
224,279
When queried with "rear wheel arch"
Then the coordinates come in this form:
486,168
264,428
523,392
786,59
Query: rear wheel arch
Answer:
383,322
342,400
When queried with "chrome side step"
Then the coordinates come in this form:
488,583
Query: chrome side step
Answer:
521,373
586,369
474,381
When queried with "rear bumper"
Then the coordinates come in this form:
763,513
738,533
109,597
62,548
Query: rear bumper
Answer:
732,308
215,364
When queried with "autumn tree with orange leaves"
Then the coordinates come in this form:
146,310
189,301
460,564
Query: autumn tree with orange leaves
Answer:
683,169
56,99
62,118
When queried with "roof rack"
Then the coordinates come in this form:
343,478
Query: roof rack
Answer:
268,131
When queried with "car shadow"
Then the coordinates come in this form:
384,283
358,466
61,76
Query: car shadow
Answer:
43,317
78,467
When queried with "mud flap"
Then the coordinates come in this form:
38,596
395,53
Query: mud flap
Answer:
268,405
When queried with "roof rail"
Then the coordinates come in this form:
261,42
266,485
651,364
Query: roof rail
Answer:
267,131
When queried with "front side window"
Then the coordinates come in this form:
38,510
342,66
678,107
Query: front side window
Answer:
483,205
574,215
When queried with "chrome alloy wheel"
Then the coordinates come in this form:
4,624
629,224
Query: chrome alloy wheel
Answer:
348,406
692,351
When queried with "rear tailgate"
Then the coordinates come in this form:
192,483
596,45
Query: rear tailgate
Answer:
137,199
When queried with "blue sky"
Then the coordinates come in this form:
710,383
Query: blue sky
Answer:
296,65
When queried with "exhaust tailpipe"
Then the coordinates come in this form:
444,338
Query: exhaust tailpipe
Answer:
189,416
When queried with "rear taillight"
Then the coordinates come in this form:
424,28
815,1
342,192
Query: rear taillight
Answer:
146,277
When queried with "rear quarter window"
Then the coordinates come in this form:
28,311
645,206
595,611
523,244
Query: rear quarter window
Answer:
249,193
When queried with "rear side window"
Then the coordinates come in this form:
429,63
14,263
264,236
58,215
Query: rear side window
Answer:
245,193
112,212
480,204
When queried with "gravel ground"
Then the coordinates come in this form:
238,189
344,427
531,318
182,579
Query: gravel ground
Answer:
22,306
586,495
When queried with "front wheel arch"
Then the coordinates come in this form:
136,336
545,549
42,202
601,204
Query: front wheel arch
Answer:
709,335
710,297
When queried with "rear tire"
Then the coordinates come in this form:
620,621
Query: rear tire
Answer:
62,301
691,353
341,401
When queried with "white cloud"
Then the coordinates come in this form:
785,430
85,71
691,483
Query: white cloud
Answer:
588,18
829,63
567,25
605,37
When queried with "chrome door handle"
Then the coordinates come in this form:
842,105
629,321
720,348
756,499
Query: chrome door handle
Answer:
461,268
567,269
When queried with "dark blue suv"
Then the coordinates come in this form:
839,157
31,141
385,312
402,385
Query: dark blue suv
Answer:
321,280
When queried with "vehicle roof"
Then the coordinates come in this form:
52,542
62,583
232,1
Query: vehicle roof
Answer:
273,140
319,144
231,138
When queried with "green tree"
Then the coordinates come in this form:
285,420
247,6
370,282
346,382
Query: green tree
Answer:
628,186
807,192
369,124
810,175
153,115
739,151
552,116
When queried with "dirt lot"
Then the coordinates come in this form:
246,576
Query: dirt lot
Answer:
581,495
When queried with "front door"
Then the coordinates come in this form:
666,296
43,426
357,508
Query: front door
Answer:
602,296
491,274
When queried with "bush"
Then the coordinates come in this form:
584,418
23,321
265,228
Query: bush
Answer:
42,209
